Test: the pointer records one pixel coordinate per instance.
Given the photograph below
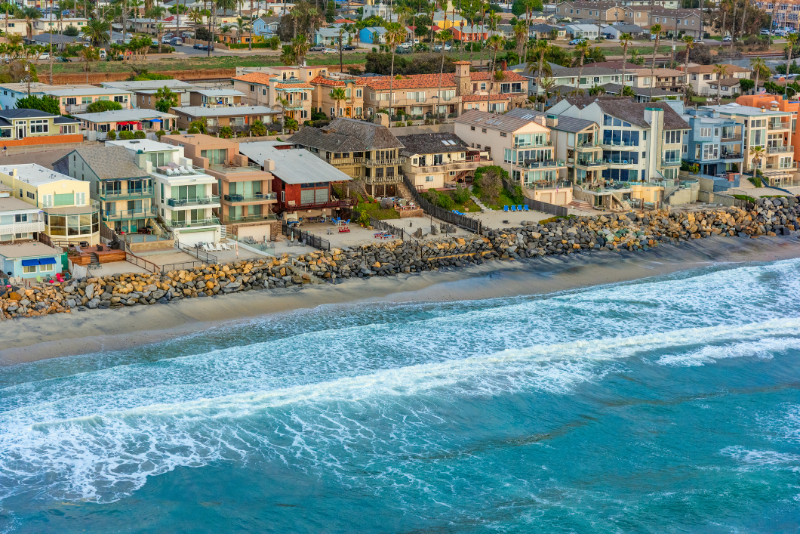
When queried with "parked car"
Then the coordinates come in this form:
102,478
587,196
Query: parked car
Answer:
317,48
176,41
577,41
399,50
348,47
438,48
329,50
764,32
62,59
44,56
165,40
727,39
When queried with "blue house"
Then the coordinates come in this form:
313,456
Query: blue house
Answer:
30,259
715,144
374,35
266,26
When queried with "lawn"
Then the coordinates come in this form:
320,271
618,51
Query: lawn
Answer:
468,206
374,210
502,200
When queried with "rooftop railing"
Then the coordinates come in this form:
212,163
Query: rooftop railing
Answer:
179,170
227,169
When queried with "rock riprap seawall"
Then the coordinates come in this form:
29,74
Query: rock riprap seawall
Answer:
629,232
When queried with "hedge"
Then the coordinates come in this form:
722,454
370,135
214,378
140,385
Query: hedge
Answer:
236,46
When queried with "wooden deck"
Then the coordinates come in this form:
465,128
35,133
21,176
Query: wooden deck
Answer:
103,256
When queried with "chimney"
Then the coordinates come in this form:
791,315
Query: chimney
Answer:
504,65
552,121
14,173
763,110
540,120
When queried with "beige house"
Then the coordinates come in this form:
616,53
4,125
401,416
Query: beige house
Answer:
524,145
245,191
286,88
352,106
673,21
605,12
77,99
667,79
432,161
701,76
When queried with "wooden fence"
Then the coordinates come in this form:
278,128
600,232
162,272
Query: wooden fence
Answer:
538,205
304,237
386,227
473,225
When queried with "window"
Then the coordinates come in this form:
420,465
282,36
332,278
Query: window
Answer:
672,137
472,128
429,178
358,93
39,126
86,100
304,114
483,130
28,269
503,134
710,151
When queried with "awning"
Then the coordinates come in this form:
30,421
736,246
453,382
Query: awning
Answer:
29,263
47,261
156,120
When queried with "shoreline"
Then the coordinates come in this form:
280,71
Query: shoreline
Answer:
59,335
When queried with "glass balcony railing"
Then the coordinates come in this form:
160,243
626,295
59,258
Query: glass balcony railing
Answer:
669,162
178,170
184,202
609,142
249,218
255,197
779,149
141,213
110,194
197,222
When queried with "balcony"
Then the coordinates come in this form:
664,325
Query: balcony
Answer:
730,155
727,138
249,218
779,149
593,163
175,171
22,227
625,163
125,215
449,166
609,143
187,202
330,204
591,145
255,197
294,105
383,162
128,194
673,85
779,125
781,166
344,161
211,221
228,169
543,164
540,145
670,162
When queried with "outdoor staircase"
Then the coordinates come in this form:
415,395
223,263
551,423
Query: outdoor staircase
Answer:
403,191
580,205
223,232
94,261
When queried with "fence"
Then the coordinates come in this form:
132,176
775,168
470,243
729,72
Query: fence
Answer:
473,225
386,227
538,205
302,236
198,253
183,266
141,262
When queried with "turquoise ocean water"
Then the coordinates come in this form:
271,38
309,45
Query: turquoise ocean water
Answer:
665,405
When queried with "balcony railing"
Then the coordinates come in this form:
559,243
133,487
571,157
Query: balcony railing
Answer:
542,164
180,170
591,145
591,162
731,138
670,162
330,204
730,155
449,166
621,162
618,143
142,213
387,179
344,161
211,221
255,197
227,169
779,125
779,149
383,162
185,202
130,193
249,218
22,227
533,145
781,166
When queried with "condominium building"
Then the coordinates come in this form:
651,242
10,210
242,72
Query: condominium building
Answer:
70,214
769,132
365,151
124,190
218,116
433,160
701,76
777,103
185,201
784,13
524,144
245,193
713,143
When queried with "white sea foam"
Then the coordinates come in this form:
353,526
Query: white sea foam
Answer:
762,348
750,459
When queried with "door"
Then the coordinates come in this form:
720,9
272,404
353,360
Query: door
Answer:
21,131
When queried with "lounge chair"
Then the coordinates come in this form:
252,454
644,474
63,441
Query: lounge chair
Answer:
519,208
513,207
525,208
347,222
38,279
505,208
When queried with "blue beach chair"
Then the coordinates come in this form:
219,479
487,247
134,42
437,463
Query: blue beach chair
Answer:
526,208
505,208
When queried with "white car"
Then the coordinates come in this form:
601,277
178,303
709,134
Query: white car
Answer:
726,39
329,51
44,56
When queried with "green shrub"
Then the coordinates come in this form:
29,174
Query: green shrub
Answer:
226,132
756,181
160,133
461,195
126,135
193,130
175,132
112,135
139,134
409,123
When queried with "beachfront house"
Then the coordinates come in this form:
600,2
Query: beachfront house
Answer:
30,260
715,145
28,127
125,191
184,193
19,221
145,91
97,125
237,118
437,160
77,99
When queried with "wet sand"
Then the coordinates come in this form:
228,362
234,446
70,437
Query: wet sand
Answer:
31,339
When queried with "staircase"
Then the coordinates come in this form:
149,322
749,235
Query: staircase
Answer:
223,232
94,261
580,205
403,191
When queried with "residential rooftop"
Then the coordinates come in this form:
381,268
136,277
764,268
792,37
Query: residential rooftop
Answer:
15,204
226,111
26,249
120,115
294,166
503,123
110,162
143,145
748,111
147,84
565,124
84,91
218,92
347,135
34,174
431,143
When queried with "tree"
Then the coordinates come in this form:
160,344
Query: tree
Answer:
689,40
655,29
721,71
490,185
300,48
520,37
103,105
444,36
258,129
625,40
165,99
580,50
97,31
226,132
760,69
199,125
792,38
494,43
757,154
71,31
8,7
330,12
30,14
746,85
541,47
287,55
88,55
628,91
126,135
45,103
395,34
338,94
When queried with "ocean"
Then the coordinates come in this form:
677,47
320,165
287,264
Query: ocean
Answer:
668,404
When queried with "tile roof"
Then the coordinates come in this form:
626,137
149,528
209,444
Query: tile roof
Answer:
565,124
109,162
431,143
321,80
479,98
300,85
419,81
588,70
347,135
503,123
254,77
708,69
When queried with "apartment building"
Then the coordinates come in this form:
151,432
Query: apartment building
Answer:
777,103
292,94
70,214
11,92
575,141
640,141
245,191
524,144
365,151
433,160
26,127
784,13
51,23
19,221
238,118
427,95
713,143
124,190
185,201
701,77
770,132
145,91
353,105
303,182
77,99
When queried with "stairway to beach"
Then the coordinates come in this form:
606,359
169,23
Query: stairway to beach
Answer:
580,205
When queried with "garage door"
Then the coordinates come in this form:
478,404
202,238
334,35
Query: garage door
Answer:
190,239
561,199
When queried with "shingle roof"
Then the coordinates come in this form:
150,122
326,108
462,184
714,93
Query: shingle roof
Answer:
639,91
565,124
431,143
109,162
726,82
24,113
503,123
479,98
418,81
588,70
634,113
708,69
347,135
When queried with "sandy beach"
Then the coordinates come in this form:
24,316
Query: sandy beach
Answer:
57,335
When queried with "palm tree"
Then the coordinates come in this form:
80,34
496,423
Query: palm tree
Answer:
689,40
300,48
547,84
721,71
395,34
30,14
6,6
338,94
792,38
580,50
495,43
159,32
97,31
655,29
758,66
241,25
625,40
521,38
757,154
541,48
88,55
444,36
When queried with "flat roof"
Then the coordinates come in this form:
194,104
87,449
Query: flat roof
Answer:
35,174
15,204
226,111
147,84
218,92
294,166
749,111
81,91
27,249
145,145
124,115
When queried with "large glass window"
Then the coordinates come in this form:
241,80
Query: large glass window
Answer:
710,151
158,159
216,156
